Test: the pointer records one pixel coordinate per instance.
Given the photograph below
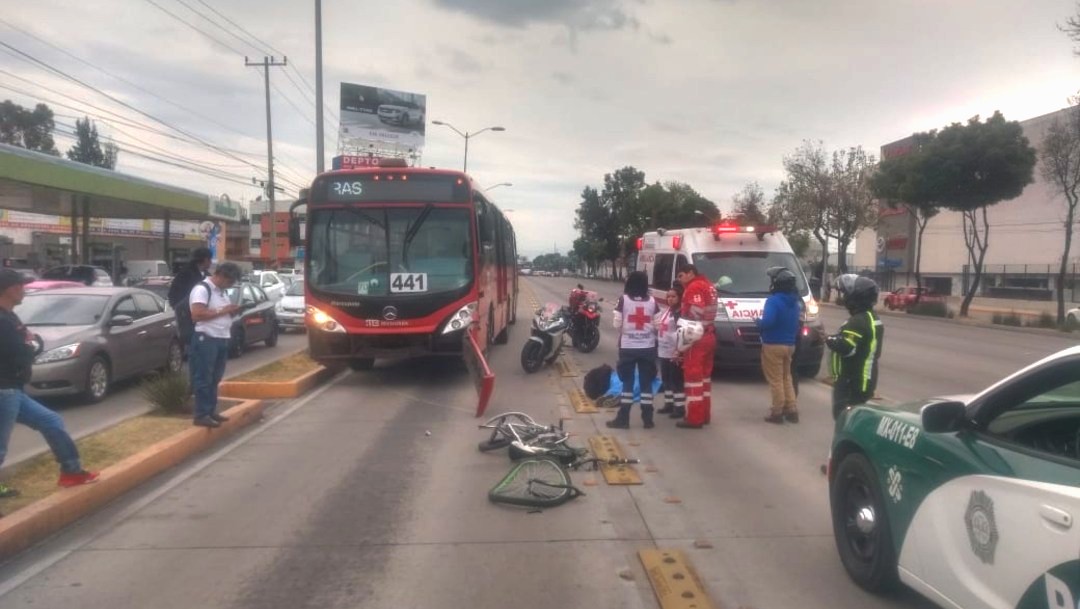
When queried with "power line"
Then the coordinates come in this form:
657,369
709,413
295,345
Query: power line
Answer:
262,51
121,102
194,27
219,26
123,80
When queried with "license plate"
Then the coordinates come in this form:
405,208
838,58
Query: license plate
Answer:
408,282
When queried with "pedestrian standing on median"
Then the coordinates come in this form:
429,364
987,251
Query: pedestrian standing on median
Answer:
670,359
779,326
212,311
18,348
699,303
856,348
634,318
180,289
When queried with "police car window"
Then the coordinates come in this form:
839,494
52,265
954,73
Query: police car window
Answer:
745,273
1048,422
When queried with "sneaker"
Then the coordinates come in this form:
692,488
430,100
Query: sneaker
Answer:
206,422
78,478
678,413
220,418
791,417
617,424
6,492
649,424
666,409
688,425
777,419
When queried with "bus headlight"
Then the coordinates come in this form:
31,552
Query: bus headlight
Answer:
461,319
321,320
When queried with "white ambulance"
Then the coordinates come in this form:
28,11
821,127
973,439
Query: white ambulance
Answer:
735,258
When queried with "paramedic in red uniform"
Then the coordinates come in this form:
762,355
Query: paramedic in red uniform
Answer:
699,303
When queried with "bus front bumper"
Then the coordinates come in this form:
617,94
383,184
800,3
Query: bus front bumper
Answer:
329,346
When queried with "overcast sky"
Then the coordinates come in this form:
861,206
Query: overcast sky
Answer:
710,92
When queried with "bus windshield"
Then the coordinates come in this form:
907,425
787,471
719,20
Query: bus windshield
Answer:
377,251
746,273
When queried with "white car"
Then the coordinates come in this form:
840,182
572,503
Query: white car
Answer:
401,115
290,309
270,282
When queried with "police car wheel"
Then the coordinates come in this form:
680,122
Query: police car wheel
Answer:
861,525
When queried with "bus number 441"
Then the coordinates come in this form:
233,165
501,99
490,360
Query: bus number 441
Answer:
408,282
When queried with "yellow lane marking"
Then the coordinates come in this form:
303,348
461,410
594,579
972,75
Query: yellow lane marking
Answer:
673,579
581,402
606,448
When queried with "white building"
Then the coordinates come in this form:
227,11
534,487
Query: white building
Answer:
1027,238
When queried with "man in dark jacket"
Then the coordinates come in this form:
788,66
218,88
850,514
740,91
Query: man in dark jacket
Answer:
18,348
856,348
779,326
180,289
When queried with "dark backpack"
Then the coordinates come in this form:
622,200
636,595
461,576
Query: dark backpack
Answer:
597,381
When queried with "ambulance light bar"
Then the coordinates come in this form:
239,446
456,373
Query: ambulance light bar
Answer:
731,228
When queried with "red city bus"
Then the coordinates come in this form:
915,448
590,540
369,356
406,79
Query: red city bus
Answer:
403,261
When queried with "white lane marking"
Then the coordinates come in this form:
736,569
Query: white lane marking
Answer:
185,473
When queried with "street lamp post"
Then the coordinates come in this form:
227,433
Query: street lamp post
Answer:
498,185
466,135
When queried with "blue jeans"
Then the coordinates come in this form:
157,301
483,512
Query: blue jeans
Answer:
17,407
206,359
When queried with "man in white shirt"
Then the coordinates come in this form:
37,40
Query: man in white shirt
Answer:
212,311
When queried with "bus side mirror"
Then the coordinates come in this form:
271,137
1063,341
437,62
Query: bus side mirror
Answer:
295,239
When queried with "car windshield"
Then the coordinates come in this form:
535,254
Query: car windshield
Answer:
379,251
45,309
296,288
746,273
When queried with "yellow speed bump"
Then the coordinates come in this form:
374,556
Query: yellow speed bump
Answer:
676,584
566,369
581,402
606,448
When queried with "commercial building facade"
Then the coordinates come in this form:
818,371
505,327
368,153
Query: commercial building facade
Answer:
1027,238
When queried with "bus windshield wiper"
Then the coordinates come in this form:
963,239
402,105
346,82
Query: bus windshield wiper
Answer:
410,233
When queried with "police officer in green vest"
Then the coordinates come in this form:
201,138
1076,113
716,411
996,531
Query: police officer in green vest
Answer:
856,348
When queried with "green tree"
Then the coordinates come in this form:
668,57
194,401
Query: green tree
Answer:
800,243
802,202
596,223
750,205
621,194
912,182
30,129
88,148
1061,169
852,207
981,164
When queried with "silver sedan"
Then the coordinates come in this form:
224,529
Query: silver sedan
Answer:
93,337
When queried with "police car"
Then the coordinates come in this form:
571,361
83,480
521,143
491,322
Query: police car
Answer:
735,258
972,501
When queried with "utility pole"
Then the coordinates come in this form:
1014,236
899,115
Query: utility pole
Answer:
266,64
319,152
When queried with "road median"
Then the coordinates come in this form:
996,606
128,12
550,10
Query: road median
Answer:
283,379
961,321
43,517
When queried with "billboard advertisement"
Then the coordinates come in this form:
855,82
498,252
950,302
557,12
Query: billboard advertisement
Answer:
384,116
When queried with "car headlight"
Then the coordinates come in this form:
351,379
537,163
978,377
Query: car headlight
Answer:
321,320
58,354
812,310
461,319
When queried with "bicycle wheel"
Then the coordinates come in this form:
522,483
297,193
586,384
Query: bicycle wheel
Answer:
534,483
500,430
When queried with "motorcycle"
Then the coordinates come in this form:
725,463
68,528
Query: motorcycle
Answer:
545,343
585,319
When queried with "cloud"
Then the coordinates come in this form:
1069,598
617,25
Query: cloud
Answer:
579,14
563,78
463,62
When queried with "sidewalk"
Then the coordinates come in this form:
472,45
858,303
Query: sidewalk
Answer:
978,321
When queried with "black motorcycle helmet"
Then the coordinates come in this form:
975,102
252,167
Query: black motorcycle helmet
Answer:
859,293
781,279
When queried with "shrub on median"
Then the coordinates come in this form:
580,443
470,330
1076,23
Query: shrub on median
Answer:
1007,319
931,308
169,391
1045,320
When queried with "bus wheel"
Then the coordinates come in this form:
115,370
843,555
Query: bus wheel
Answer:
362,363
513,311
491,326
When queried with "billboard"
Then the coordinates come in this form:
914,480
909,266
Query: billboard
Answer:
384,116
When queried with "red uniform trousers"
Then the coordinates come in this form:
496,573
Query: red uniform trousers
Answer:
697,371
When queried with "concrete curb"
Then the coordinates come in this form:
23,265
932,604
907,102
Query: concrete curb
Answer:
959,322
281,390
39,520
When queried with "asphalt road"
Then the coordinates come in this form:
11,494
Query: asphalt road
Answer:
343,500
125,401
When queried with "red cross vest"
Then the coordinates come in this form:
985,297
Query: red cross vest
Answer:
638,331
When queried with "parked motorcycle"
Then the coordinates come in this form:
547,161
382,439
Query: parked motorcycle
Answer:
545,343
585,319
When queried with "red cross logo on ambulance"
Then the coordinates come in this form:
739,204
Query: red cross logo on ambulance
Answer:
745,309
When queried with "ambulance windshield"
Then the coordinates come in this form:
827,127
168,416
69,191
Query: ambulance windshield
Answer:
745,273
